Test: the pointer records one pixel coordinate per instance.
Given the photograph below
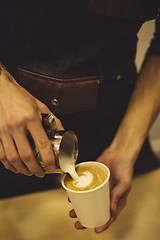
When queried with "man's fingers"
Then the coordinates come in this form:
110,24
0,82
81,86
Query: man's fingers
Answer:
119,193
58,124
105,226
79,226
5,162
27,156
12,155
112,219
8,166
44,109
114,214
42,143
69,200
72,214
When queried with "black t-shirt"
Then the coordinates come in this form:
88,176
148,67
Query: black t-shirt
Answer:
63,39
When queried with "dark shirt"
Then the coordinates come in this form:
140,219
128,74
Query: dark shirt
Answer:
62,39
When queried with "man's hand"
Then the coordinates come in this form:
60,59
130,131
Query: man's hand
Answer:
21,114
121,171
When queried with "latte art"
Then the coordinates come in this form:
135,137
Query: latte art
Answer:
83,180
89,177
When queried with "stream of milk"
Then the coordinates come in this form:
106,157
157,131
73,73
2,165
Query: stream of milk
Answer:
68,165
80,181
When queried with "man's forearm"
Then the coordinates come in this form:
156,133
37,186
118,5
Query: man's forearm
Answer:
142,109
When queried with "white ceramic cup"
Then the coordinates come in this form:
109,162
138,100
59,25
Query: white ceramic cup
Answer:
92,207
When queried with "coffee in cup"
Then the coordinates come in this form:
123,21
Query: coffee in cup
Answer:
90,177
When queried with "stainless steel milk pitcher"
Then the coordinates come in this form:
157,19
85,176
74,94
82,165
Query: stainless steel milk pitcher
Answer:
64,143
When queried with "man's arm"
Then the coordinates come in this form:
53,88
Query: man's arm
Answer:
142,110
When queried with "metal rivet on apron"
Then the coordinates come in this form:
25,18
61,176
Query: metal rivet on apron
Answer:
118,77
55,102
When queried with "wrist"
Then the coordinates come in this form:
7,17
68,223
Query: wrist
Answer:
127,142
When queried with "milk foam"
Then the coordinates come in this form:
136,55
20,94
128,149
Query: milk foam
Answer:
84,180
67,164
89,177
73,173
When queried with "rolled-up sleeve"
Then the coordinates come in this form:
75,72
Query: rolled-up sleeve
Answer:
154,48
